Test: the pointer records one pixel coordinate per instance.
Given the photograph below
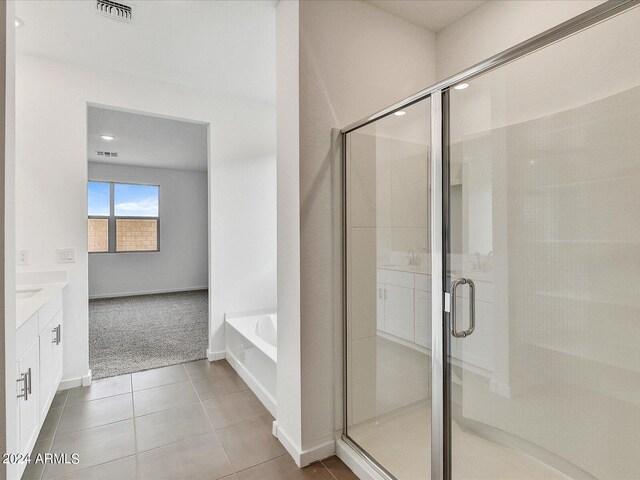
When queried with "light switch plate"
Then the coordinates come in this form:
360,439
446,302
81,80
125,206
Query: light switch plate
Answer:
22,257
66,255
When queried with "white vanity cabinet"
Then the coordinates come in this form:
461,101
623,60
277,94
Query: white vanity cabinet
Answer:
28,406
398,312
396,303
50,361
38,368
404,316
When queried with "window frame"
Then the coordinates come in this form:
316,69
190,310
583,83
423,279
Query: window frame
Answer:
112,217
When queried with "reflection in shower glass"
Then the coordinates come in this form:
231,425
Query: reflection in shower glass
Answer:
544,188
389,291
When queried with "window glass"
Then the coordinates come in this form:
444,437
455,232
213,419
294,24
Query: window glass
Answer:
99,198
135,200
98,235
132,225
136,234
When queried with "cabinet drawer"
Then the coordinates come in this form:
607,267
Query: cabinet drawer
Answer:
394,277
48,311
26,334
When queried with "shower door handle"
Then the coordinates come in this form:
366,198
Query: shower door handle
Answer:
472,308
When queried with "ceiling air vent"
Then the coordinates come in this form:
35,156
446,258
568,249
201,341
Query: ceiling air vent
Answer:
107,154
115,10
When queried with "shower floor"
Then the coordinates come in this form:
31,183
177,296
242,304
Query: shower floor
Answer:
401,442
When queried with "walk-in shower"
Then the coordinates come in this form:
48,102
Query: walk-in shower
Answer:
492,258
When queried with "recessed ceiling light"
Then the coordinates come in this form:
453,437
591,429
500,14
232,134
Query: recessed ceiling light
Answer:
461,86
18,22
107,137
399,113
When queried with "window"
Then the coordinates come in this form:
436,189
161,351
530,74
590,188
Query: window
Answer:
123,217
99,197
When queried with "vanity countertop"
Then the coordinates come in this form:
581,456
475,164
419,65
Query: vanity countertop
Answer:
422,269
477,276
31,297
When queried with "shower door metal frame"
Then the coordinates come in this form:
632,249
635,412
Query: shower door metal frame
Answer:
439,224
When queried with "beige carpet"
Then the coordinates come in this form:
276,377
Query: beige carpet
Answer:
131,334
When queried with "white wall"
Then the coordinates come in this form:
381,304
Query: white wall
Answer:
354,59
288,111
51,175
8,420
498,25
181,263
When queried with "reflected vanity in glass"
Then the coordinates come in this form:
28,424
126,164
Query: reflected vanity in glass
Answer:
389,285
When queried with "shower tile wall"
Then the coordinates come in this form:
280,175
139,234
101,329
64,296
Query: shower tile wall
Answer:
568,241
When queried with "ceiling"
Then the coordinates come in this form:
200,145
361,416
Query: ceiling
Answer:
431,14
146,141
219,46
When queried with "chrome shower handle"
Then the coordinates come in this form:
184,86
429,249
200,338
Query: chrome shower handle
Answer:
472,308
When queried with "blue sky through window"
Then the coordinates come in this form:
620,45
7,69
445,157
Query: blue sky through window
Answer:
136,200
98,196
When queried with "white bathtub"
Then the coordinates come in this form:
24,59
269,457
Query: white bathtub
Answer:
251,348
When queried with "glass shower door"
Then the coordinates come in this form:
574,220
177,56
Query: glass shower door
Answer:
544,244
388,294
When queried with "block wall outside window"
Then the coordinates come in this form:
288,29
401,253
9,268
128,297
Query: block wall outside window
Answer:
98,235
135,234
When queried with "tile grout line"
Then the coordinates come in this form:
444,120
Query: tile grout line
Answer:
133,417
136,442
208,419
74,472
328,469
176,442
199,402
233,425
262,463
55,430
135,431
86,429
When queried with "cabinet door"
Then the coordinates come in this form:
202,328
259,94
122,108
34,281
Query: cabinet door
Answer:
46,368
380,308
56,369
29,409
423,318
398,312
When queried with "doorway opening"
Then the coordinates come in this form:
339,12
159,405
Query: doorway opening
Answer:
147,193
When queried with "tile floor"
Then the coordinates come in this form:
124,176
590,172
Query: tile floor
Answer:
196,420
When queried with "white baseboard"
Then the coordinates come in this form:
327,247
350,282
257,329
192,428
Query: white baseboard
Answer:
147,292
213,356
304,457
355,462
68,383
